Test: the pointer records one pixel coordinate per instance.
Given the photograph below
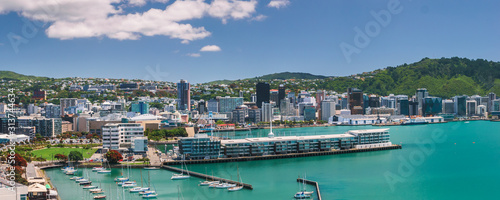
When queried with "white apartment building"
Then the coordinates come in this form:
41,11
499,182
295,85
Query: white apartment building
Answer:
119,136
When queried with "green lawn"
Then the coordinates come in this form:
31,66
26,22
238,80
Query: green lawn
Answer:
49,153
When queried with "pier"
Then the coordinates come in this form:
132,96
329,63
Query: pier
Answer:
204,176
269,157
314,183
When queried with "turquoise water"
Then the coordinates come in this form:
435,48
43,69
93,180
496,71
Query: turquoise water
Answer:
438,161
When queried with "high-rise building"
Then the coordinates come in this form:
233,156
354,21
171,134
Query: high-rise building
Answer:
273,96
228,104
202,106
183,94
281,95
327,109
52,111
448,106
355,101
262,93
491,97
471,108
267,112
460,105
67,102
495,105
238,115
432,106
373,101
420,96
403,107
413,107
253,98
254,114
309,113
140,107
213,105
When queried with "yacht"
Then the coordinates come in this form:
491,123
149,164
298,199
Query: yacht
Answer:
96,169
139,189
90,187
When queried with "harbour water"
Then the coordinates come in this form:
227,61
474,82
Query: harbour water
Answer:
453,160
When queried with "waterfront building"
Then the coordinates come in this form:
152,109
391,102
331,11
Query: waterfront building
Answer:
373,101
381,111
460,105
448,106
199,147
140,107
228,104
471,108
491,98
118,136
238,115
403,107
263,94
183,95
267,112
286,107
359,119
481,110
254,114
303,144
355,101
432,106
327,109
495,105
202,106
420,96
139,144
273,96
309,113
47,127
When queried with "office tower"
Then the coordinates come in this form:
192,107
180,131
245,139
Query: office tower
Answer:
460,105
183,94
238,115
52,111
355,101
495,105
228,104
432,106
262,93
202,106
471,107
281,95
403,107
67,102
253,98
491,97
413,107
420,95
254,114
309,113
267,112
213,105
327,109
273,96
448,106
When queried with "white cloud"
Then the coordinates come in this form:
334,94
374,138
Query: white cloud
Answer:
258,18
210,48
69,19
278,3
195,55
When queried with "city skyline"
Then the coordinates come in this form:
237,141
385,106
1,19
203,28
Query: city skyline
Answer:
312,37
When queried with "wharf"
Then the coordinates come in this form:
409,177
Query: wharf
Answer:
204,176
269,157
314,183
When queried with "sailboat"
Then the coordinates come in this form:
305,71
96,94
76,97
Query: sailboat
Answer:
105,171
237,187
303,194
122,178
139,189
181,175
148,192
207,182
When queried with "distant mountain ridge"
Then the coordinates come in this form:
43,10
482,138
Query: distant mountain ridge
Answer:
279,76
10,75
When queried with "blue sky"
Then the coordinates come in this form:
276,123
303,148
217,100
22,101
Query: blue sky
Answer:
255,38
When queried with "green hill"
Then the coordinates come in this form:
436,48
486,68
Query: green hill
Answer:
291,75
10,75
445,77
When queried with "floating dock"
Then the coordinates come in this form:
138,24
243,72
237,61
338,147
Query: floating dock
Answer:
269,157
204,176
314,183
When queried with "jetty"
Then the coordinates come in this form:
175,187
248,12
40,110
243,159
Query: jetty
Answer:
279,156
204,176
313,183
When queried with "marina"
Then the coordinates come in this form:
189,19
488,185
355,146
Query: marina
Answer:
443,174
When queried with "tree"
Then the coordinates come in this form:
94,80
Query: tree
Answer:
219,122
75,156
113,156
61,157
19,161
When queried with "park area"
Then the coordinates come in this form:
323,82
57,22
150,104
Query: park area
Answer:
49,153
